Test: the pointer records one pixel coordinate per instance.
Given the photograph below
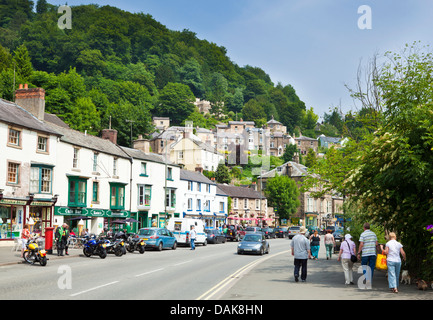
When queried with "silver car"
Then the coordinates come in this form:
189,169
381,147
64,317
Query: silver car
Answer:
253,243
293,231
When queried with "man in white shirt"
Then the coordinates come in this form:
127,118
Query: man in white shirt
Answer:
193,235
301,252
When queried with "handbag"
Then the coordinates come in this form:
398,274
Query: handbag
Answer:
381,262
353,258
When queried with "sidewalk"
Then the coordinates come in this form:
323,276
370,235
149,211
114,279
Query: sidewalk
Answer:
273,280
8,256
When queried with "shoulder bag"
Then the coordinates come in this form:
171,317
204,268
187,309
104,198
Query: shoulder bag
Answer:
353,258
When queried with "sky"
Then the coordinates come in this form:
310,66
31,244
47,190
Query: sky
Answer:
314,45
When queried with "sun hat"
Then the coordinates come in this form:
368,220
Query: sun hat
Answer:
347,237
302,230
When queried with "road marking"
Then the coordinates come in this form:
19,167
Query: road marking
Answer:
149,272
180,263
95,288
235,276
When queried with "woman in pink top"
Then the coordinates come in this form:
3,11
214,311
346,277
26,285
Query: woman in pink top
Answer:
347,248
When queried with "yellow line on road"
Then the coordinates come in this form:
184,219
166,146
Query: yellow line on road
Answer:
234,277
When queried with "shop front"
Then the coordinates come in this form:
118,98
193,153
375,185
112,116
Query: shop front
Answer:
12,218
16,213
100,219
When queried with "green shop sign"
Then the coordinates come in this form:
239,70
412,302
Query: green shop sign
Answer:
91,212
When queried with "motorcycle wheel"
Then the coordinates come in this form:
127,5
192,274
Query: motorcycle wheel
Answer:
103,254
130,248
86,252
118,252
29,257
141,249
43,261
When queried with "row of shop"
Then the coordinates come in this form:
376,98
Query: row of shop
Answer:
15,214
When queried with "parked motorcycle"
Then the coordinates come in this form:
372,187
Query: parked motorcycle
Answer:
117,246
33,254
94,246
134,242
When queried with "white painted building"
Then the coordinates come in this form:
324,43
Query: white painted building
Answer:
200,200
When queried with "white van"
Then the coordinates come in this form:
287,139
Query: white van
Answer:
180,227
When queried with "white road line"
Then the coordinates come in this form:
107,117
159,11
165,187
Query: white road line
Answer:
180,263
149,272
95,288
234,277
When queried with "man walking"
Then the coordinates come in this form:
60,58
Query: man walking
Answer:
301,252
367,245
193,235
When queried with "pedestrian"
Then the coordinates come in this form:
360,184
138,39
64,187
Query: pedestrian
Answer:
315,245
329,244
347,249
193,235
367,245
392,251
301,252
25,236
66,239
61,239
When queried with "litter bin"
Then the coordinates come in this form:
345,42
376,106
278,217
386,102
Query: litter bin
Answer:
49,239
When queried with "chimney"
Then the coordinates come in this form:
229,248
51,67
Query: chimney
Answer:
142,144
110,134
289,169
199,169
33,100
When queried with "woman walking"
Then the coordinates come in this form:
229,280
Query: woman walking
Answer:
392,251
315,245
347,249
329,244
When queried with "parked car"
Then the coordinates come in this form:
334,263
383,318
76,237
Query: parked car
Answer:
215,236
281,232
235,233
269,233
253,243
253,229
332,228
158,238
293,231
338,237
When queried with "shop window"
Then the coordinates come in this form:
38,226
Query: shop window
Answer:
117,196
77,192
41,179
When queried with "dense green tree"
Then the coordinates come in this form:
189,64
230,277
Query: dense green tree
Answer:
253,111
222,174
23,63
283,194
175,101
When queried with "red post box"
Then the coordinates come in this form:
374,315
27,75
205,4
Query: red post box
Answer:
49,239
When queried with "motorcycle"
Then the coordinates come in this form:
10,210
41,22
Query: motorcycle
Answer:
33,254
93,246
134,242
116,246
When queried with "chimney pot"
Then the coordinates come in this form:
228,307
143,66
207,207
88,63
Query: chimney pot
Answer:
21,86
26,86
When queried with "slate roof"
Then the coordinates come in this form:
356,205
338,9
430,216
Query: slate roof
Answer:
152,157
240,192
298,170
88,141
13,114
194,176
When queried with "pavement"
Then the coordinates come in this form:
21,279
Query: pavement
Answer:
10,256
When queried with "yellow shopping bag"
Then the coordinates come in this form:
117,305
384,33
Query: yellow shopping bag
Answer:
381,262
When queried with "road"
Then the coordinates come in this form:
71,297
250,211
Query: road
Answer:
180,274
210,273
